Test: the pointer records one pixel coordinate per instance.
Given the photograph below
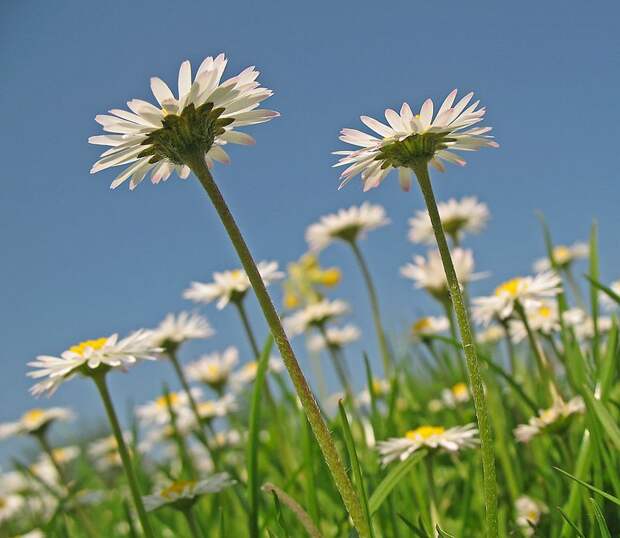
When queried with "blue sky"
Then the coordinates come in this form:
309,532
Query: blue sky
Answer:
80,261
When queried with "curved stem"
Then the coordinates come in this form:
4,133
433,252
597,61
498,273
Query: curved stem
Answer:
248,328
100,381
311,408
386,357
473,365
192,523
339,365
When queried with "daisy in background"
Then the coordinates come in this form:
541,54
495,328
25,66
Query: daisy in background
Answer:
380,388
563,256
455,395
544,319
35,421
90,358
607,301
104,452
247,373
145,137
528,514
555,418
428,273
337,337
213,369
583,324
430,437
491,334
346,225
156,411
306,280
230,286
10,506
458,217
427,326
529,291
350,225
314,315
176,329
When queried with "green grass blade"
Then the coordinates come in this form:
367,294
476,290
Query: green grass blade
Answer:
397,472
417,530
253,441
571,523
609,423
606,290
602,493
594,273
355,464
295,507
600,519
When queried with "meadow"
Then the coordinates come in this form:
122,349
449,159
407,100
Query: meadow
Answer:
493,415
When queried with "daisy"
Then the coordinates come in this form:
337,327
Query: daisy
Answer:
543,318
428,326
155,139
528,513
182,494
491,334
174,330
412,138
457,394
210,409
563,255
607,301
213,369
305,279
336,337
89,357
104,452
347,225
380,388
35,421
457,217
230,286
9,506
428,273
156,411
432,437
314,315
247,373
555,417
529,291
583,324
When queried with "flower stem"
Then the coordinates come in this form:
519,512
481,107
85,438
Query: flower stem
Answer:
473,365
339,366
248,328
447,306
100,381
386,357
192,523
311,408
430,478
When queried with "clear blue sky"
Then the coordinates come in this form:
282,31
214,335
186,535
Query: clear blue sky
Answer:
79,261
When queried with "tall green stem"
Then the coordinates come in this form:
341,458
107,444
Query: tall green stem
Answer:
313,412
447,306
100,381
339,365
192,523
473,365
247,327
386,357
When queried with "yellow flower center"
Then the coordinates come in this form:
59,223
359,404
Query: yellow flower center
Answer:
162,402
424,432
378,387
291,300
423,324
206,408
94,344
330,277
510,287
177,488
250,368
544,311
3,502
213,370
532,516
460,390
562,254
61,455
236,273
33,416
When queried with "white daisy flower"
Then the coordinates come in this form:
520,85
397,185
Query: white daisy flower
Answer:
144,136
45,469
607,301
104,452
428,273
313,315
210,409
230,286
35,533
491,334
87,356
530,291
563,255
543,318
213,369
10,505
583,324
380,388
428,326
549,419
528,513
432,437
156,411
457,217
35,421
347,225
336,337
457,394
182,494
247,373
176,329
412,137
